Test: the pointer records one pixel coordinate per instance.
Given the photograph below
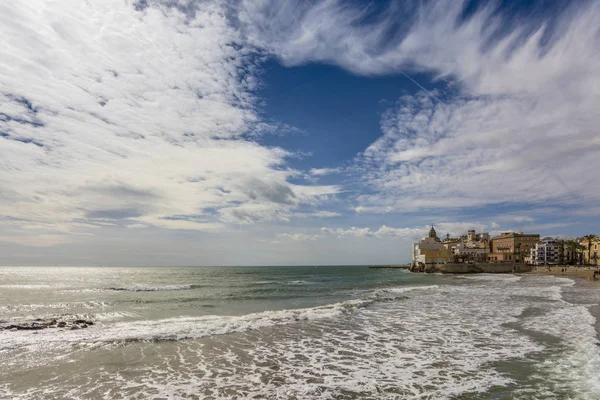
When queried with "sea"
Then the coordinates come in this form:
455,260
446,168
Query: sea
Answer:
310,332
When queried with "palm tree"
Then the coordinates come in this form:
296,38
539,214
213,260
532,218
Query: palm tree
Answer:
580,250
590,238
561,252
575,249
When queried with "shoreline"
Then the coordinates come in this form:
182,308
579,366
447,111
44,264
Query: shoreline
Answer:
582,278
579,273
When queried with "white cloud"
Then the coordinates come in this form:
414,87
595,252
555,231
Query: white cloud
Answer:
36,240
515,218
118,115
517,123
452,228
324,171
298,236
317,214
143,113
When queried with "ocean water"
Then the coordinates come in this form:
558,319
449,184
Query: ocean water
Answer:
296,333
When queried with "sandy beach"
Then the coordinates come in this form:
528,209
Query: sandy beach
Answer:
585,273
584,277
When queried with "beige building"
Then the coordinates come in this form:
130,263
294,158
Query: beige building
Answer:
476,254
591,257
431,250
511,246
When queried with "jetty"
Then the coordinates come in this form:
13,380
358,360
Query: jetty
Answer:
398,266
472,268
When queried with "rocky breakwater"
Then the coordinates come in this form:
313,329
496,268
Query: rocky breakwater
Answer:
462,268
39,324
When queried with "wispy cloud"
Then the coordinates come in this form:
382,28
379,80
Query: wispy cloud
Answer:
117,115
517,123
323,171
299,236
451,228
135,113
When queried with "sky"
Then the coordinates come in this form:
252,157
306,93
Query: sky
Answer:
262,132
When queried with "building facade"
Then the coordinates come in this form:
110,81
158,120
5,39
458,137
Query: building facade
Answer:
431,250
476,254
546,252
512,247
591,251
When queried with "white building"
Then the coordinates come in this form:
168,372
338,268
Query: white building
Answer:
430,250
546,251
479,254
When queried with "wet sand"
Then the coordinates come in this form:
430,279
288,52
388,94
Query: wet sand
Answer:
583,277
586,273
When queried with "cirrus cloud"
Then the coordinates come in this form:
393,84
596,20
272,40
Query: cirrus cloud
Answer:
139,112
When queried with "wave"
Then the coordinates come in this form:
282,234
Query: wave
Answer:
32,287
381,293
579,363
140,288
492,277
91,304
411,288
173,329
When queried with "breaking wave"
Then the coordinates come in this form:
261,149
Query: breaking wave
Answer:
140,288
383,293
179,328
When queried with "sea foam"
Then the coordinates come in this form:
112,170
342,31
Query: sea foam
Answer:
142,288
170,329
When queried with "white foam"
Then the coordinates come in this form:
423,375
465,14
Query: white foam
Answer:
578,366
405,289
445,342
493,277
440,342
174,328
30,287
142,288
28,308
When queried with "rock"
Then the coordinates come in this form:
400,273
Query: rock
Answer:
34,326
39,323
83,322
430,269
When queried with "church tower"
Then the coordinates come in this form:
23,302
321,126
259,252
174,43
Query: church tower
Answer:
433,234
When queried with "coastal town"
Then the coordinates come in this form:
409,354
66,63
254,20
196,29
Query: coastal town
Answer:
507,247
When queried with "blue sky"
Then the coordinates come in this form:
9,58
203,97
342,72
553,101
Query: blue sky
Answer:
302,132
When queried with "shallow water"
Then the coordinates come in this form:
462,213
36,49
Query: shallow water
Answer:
296,333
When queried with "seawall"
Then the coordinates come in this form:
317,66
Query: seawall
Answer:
507,268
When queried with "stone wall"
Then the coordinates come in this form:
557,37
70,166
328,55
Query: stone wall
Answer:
506,268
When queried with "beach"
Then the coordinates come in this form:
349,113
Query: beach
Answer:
582,276
586,273
343,332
